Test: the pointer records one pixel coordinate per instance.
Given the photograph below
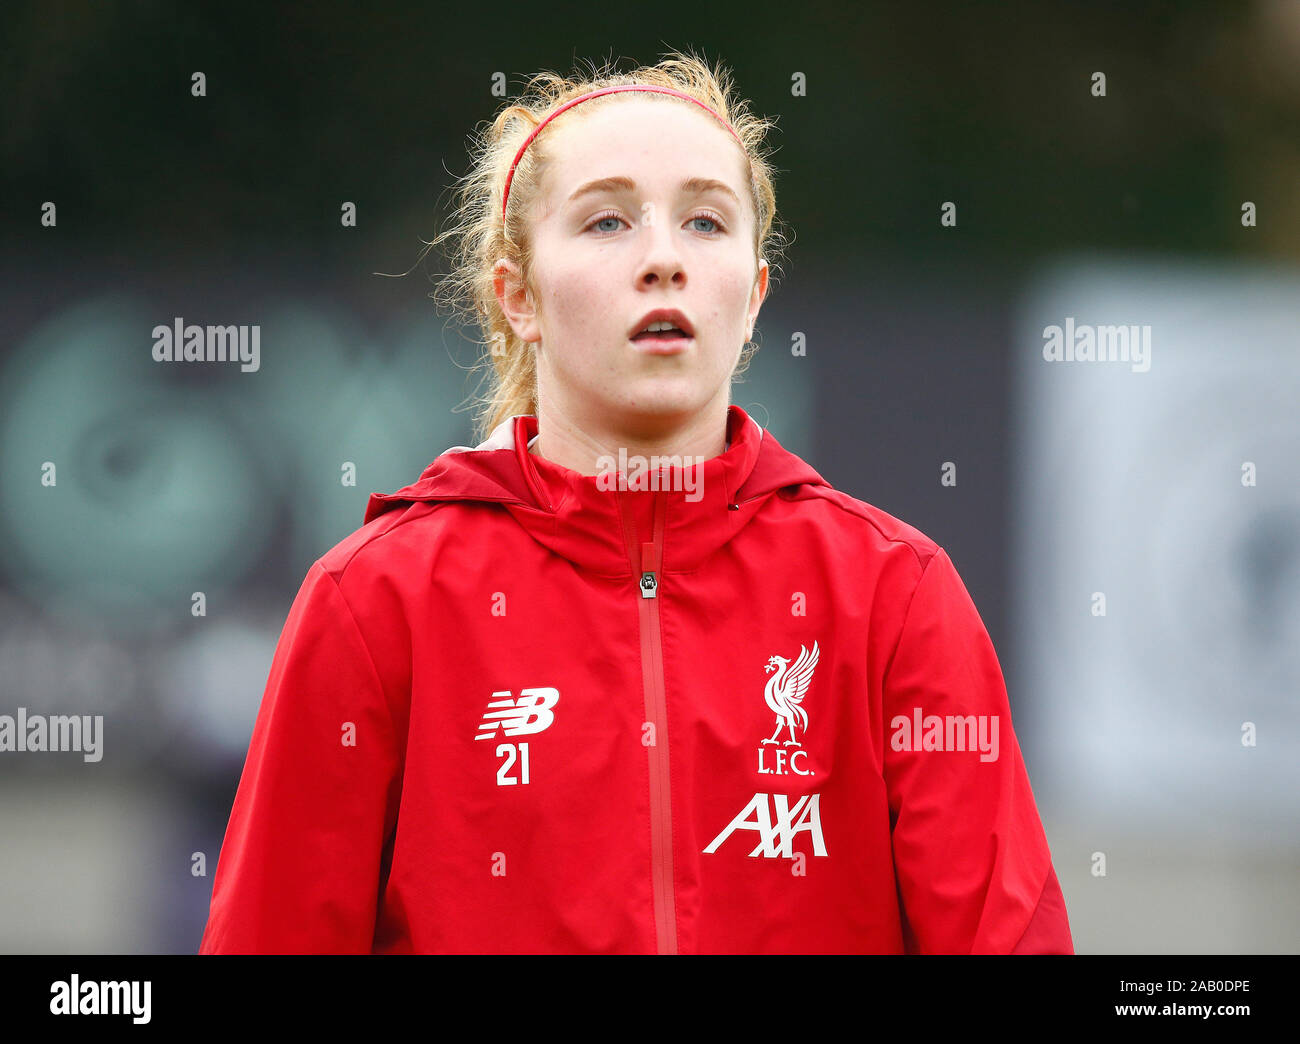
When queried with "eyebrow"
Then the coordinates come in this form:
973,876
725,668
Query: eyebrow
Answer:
614,184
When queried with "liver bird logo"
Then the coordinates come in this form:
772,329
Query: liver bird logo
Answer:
785,691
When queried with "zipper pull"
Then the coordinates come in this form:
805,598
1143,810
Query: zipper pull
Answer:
649,564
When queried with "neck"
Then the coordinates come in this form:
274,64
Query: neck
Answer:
580,446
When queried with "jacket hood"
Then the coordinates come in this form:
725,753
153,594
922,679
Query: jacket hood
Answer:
593,523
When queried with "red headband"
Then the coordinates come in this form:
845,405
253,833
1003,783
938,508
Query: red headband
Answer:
505,197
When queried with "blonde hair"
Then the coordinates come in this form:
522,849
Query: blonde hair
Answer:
479,235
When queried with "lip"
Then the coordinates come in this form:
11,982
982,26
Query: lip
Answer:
661,345
664,315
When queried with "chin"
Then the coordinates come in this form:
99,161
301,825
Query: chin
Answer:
659,406
664,398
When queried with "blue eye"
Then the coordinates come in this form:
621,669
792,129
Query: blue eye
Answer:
619,220
602,219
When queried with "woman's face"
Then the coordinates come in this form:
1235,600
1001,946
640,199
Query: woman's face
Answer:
644,205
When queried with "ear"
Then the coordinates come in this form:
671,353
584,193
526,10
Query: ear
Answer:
515,301
759,293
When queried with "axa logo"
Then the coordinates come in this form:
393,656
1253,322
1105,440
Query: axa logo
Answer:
784,694
776,825
518,717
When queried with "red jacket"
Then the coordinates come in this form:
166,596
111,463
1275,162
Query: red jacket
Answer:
517,712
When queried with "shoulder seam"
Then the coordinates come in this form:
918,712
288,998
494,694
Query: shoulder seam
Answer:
370,658
402,519
822,493
907,614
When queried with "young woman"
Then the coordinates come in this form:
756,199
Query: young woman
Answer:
628,677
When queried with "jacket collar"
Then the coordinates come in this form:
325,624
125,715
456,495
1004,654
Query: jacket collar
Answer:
601,528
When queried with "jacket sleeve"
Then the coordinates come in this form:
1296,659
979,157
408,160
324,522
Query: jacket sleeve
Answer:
971,859
300,867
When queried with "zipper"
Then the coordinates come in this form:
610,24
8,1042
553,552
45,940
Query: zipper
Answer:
656,709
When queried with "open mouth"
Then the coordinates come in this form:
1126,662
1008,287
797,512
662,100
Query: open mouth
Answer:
671,334
662,342
663,331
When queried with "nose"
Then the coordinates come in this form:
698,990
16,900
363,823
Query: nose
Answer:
662,262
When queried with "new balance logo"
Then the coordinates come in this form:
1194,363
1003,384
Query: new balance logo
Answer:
777,825
524,716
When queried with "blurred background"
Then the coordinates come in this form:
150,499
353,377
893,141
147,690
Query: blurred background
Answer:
1161,733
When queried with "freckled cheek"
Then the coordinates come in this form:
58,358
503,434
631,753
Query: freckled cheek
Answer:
579,318
731,298
726,290
583,306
